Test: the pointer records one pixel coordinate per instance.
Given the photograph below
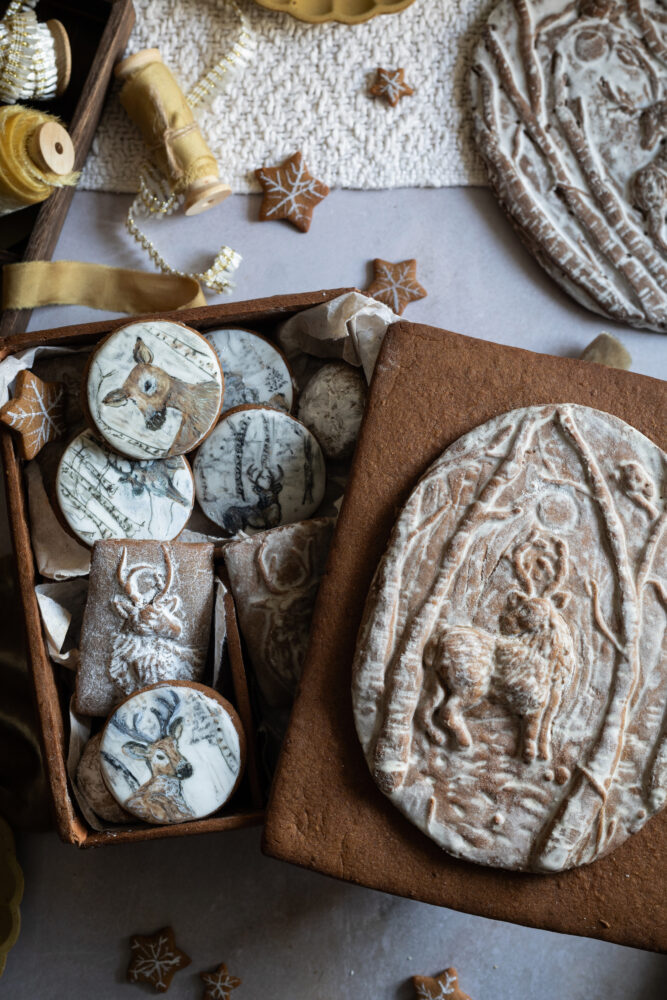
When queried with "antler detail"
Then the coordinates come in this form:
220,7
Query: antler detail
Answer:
559,567
166,711
133,732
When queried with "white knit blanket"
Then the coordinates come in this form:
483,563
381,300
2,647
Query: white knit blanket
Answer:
307,89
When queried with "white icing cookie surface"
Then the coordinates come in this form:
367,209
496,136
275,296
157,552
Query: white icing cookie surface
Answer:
154,389
102,495
172,753
509,684
255,371
258,469
570,116
332,406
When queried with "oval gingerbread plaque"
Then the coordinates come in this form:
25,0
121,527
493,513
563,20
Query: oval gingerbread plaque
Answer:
509,684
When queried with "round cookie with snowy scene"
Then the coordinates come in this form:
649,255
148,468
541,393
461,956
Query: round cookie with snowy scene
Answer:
154,389
255,371
103,495
259,468
173,752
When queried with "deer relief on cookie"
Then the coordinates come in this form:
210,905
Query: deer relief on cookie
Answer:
148,647
570,116
154,390
509,683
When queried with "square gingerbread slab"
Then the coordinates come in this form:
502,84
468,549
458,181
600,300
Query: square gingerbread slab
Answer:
430,387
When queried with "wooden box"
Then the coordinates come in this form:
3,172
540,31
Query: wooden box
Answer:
98,31
246,807
326,813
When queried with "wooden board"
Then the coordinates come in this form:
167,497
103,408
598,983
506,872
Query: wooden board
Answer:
98,31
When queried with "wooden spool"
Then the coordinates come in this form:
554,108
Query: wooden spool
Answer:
51,148
63,54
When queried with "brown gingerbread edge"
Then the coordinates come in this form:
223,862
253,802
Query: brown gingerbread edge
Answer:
325,813
88,417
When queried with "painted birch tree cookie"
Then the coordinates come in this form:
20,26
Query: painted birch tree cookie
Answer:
258,469
147,619
102,495
255,371
570,116
509,684
173,753
91,784
154,389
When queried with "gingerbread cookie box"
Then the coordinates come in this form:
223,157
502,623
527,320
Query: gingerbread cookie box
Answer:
353,832
246,809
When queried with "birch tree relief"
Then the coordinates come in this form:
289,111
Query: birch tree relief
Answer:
510,681
570,116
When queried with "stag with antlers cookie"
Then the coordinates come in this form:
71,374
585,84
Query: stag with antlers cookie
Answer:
147,619
102,495
509,683
173,753
154,389
258,469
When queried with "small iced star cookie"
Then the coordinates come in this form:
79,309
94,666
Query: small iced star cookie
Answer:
36,413
395,284
219,984
444,986
390,85
155,959
290,192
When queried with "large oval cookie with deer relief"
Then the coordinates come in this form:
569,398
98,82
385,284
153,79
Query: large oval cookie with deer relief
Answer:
510,681
258,469
569,108
154,389
103,495
173,753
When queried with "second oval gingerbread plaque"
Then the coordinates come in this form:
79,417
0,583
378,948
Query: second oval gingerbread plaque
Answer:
509,685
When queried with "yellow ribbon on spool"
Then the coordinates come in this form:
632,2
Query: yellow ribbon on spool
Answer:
36,157
155,102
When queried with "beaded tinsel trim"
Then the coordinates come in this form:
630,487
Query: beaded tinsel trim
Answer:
28,68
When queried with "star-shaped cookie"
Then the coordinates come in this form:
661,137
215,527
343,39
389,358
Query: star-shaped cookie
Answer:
36,413
390,84
155,959
290,192
219,984
395,284
444,986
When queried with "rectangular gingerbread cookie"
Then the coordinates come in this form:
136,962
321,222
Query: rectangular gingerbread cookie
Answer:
430,387
147,619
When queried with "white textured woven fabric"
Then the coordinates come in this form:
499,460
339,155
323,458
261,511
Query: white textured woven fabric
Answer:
308,89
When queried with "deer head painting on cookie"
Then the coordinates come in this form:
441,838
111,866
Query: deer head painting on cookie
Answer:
170,392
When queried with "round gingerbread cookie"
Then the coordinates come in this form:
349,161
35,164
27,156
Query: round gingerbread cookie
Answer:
103,495
255,370
509,683
154,389
91,785
173,752
332,405
258,469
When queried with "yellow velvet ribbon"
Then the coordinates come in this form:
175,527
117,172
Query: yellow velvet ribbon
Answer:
31,284
22,181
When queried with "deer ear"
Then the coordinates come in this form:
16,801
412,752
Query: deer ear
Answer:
561,599
136,750
116,397
171,603
142,353
176,728
513,598
123,605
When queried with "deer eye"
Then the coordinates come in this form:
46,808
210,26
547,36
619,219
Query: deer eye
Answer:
161,756
149,385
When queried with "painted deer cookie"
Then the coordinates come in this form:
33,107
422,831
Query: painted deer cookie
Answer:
102,495
173,753
509,683
147,619
258,469
255,371
570,116
154,389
